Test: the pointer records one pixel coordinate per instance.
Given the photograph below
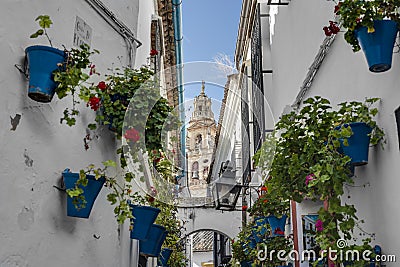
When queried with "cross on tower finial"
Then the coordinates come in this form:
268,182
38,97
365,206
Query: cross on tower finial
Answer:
202,87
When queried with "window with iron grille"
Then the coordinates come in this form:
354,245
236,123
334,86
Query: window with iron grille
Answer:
245,128
257,78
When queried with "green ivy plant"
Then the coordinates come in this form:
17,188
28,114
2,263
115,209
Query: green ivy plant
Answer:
243,252
354,14
240,248
169,219
307,162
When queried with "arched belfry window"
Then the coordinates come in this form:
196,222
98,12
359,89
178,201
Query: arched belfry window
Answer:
199,140
195,170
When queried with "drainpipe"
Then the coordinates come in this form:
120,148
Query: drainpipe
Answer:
178,37
118,26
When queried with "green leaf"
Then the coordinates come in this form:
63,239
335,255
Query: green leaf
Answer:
75,192
112,198
92,126
109,163
37,33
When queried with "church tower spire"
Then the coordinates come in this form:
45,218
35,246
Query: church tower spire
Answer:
203,86
202,105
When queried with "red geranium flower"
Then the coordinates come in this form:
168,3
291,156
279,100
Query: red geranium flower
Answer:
132,135
92,69
331,29
94,102
337,7
278,231
102,86
264,189
244,208
153,52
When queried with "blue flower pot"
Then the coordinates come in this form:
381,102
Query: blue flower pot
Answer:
256,234
246,263
144,217
90,193
253,242
151,247
164,257
358,146
277,225
378,46
42,61
262,222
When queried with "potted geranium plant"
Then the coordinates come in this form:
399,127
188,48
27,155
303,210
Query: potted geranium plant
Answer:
372,26
308,161
122,195
58,71
82,189
241,249
42,62
270,209
136,89
359,129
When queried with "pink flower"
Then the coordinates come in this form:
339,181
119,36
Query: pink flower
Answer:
309,178
319,225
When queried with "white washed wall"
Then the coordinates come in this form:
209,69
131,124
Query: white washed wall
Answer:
34,228
146,11
343,76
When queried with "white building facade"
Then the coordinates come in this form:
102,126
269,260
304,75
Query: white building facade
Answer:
34,227
282,47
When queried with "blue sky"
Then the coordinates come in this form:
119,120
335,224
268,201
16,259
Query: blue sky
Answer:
209,28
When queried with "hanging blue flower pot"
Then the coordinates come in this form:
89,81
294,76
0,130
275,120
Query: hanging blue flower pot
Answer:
246,263
144,217
151,247
42,61
261,222
256,234
164,257
378,46
90,193
253,242
358,146
277,225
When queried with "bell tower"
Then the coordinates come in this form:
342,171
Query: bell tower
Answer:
200,143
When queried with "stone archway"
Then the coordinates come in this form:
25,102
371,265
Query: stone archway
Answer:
200,218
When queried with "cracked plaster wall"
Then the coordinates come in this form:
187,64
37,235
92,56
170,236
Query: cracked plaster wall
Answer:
36,148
